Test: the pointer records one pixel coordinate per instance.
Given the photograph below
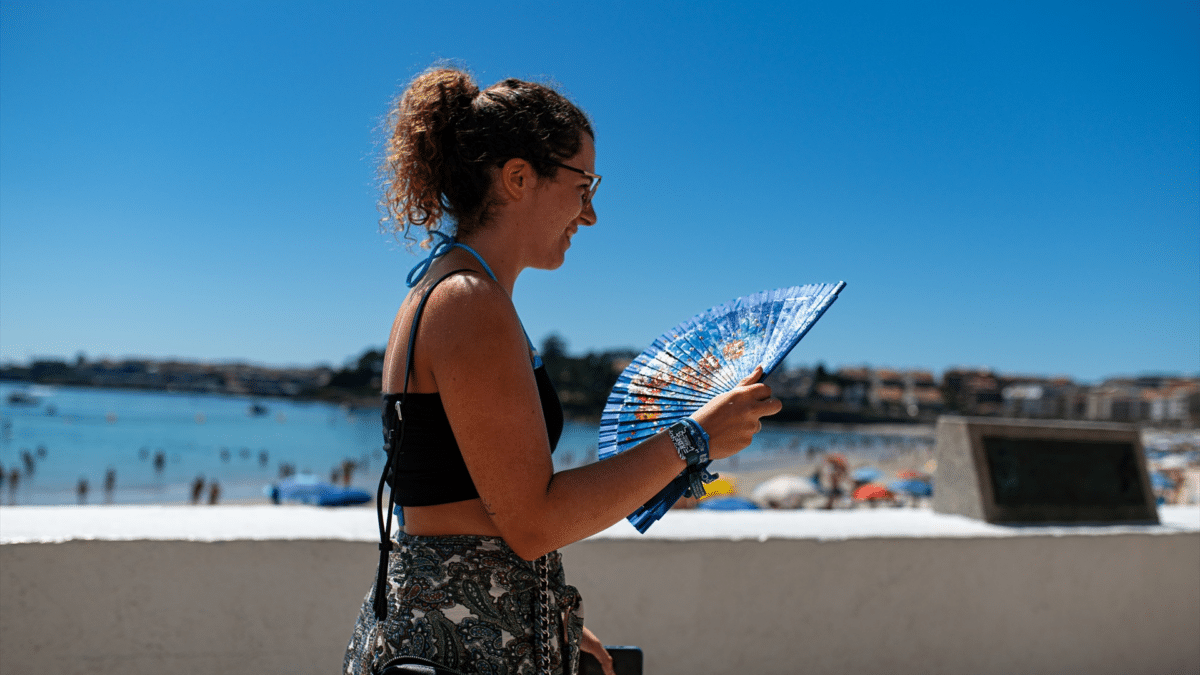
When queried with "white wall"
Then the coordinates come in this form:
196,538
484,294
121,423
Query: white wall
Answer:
1036,601
1120,604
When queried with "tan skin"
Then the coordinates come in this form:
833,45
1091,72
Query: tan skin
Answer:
471,349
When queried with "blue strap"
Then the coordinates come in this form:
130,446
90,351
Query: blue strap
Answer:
443,247
698,475
440,249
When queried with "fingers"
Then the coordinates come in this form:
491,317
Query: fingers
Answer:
605,659
733,418
772,405
592,645
757,391
752,377
764,406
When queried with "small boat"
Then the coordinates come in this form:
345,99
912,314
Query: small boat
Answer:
257,409
23,398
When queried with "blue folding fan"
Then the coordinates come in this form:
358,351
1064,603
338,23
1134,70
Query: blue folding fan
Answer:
695,361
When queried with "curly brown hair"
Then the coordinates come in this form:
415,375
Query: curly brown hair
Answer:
444,135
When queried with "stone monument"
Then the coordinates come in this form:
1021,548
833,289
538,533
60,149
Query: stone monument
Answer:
1038,471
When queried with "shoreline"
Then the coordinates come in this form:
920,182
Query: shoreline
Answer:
745,475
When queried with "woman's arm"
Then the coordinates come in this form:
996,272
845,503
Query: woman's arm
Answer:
477,353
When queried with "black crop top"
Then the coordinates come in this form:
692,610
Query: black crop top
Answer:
430,467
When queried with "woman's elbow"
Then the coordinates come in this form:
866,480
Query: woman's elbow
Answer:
529,542
528,546
529,554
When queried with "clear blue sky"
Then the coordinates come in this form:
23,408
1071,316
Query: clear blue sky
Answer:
1011,185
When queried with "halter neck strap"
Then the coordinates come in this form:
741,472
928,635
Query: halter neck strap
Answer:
444,246
440,249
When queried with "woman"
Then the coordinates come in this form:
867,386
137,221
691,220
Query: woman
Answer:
513,169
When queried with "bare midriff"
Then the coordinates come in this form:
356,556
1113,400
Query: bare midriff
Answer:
465,517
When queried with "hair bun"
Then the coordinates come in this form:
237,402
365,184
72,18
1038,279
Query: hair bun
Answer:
450,89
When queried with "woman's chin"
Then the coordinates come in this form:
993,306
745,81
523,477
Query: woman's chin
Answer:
551,265
555,259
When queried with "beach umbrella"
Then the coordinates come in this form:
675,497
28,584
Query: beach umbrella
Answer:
912,486
786,491
724,503
871,492
866,474
1174,461
703,357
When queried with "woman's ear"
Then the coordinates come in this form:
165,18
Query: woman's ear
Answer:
516,179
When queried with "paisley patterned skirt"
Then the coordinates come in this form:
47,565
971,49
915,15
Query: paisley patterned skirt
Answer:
466,602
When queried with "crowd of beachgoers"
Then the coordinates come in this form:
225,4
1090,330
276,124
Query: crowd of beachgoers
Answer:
905,478
846,468
200,490
832,480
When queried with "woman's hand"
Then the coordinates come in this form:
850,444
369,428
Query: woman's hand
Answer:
592,645
732,419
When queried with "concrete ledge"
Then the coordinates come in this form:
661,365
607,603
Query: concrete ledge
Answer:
172,589
50,524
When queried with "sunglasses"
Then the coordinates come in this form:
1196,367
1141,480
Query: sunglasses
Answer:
594,178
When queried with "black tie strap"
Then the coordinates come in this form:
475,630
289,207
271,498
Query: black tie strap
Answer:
379,602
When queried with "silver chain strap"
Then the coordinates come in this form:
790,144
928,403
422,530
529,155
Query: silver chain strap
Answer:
542,615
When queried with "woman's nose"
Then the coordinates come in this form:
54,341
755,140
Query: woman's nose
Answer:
587,216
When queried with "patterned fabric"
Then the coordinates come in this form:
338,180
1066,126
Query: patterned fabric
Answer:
466,602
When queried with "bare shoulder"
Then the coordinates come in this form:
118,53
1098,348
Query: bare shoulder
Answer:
468,310
469,286
469,323
466,318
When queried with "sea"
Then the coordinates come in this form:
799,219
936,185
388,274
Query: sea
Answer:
70,445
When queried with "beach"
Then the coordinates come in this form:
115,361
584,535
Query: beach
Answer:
164,448
159,445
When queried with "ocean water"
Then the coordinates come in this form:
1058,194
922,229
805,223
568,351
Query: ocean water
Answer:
66,435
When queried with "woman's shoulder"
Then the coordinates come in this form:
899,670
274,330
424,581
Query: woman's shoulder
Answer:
468,306
465,290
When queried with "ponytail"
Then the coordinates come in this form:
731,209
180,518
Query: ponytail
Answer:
445,135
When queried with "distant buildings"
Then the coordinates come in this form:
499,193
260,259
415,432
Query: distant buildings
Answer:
865,393
183,376
860,394
1165,401
1169,401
